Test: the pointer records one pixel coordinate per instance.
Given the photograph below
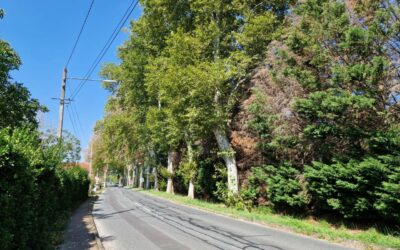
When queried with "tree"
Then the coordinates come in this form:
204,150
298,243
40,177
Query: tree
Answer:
180,78
37,192
69,147
17,108
326,103
207,62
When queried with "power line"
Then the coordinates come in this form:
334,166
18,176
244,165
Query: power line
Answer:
72,116
75,111
80,33
107,45
72,121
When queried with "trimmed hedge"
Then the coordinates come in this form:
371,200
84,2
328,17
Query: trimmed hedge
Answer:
36,195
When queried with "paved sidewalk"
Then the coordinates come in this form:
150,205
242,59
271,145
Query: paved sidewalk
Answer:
81,231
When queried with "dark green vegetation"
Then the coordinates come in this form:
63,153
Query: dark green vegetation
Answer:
288,105
37,193
338,149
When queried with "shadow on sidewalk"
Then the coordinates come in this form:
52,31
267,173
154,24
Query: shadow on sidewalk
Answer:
80,232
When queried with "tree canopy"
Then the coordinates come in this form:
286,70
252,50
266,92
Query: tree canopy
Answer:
283,93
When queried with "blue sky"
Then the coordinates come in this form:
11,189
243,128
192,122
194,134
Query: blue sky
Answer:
43,33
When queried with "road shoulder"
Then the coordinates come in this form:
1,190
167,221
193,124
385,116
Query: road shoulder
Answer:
349,239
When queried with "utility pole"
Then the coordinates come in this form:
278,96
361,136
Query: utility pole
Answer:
91,159
62,102
91,167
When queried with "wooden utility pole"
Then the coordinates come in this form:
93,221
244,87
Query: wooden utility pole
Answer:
62,102
91,159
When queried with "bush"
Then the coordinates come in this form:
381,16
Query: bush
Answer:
220,175
363,189
285,188
36,196
280,187
205,183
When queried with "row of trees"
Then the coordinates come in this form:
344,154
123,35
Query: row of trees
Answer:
37,192
288,104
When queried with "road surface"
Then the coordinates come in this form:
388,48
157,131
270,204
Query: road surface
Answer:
126,219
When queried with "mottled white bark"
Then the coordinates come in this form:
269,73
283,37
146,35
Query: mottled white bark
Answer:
228,155
141,180
130,175
134,175
148,169
155,172
191,189
171,170
190,159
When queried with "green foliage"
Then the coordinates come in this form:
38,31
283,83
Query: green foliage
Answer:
329,107
356,189
165,174
324,100
221,192
205,183
281,186
68,150
243,200
322,229
188,170
388,202
181,78
35,195
17,108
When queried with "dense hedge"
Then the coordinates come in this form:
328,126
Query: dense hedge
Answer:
358,189
326,114
36,194
366,189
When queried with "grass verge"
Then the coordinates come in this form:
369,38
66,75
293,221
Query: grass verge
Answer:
366,239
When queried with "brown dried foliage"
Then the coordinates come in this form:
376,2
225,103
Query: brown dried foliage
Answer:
278,92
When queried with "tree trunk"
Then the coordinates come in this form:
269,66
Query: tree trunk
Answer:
190,159
125,182
134,175
148,169
155,172
228,155
191,189
129,168
172,161
141,180
105,176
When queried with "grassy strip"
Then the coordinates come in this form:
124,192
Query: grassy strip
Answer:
371,238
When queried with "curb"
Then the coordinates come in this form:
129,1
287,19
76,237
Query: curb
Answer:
99,244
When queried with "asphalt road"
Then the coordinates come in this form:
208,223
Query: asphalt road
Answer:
126,219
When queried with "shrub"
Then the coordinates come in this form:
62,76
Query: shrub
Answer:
221,175
363,189
280,187
36,196
205,183
285,188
